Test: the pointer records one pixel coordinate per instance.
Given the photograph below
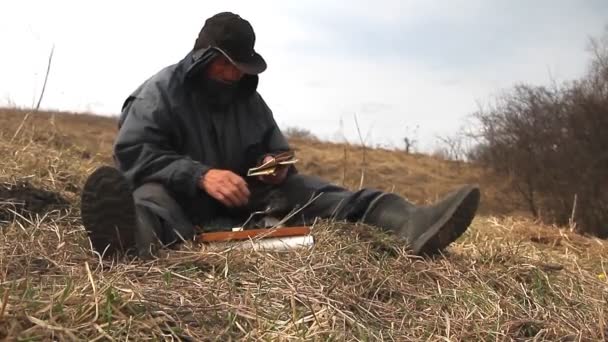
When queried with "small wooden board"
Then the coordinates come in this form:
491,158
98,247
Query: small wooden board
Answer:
253,233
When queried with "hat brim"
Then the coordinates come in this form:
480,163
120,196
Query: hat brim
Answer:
255,65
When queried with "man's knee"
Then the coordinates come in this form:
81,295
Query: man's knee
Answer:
153,192
159,199
155,199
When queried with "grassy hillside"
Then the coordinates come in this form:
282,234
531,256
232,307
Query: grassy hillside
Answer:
507,278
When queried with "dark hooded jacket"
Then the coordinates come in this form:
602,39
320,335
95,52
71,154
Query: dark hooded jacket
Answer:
170,132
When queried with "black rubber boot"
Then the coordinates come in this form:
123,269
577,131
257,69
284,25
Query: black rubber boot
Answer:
110,217
426,229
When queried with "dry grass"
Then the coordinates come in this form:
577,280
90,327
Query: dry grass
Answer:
506,279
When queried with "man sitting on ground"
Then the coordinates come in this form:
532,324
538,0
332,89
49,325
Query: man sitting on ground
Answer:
187,137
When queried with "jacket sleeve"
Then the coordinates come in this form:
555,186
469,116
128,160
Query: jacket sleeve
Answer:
144,151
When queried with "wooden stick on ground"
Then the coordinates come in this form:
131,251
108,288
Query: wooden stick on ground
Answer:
253,233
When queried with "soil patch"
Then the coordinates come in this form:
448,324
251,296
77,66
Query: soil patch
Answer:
23,198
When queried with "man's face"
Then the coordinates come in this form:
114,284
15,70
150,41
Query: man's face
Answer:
221,69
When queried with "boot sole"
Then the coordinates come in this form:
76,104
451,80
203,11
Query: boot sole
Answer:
108,211
451,225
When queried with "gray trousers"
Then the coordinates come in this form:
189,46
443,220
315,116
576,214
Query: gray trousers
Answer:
302,198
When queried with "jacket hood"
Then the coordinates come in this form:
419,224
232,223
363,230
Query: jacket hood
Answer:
194,69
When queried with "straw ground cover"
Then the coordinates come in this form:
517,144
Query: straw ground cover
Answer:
507,278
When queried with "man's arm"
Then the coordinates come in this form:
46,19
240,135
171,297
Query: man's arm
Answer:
144,152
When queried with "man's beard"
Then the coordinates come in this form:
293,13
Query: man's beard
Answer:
218,92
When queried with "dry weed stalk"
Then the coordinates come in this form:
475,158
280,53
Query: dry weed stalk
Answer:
46,77
363,164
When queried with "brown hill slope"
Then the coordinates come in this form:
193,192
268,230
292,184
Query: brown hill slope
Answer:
505,279
420,178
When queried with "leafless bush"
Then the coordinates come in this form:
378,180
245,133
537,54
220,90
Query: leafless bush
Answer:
551,143
452,147
299,133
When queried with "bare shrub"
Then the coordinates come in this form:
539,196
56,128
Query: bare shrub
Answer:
453,147
551,143
299,133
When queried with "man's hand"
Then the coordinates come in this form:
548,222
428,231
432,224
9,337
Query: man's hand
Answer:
225,186
279,175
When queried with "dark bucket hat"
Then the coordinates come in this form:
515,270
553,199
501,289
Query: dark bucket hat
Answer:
233,36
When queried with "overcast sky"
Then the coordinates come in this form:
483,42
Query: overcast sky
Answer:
395,64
